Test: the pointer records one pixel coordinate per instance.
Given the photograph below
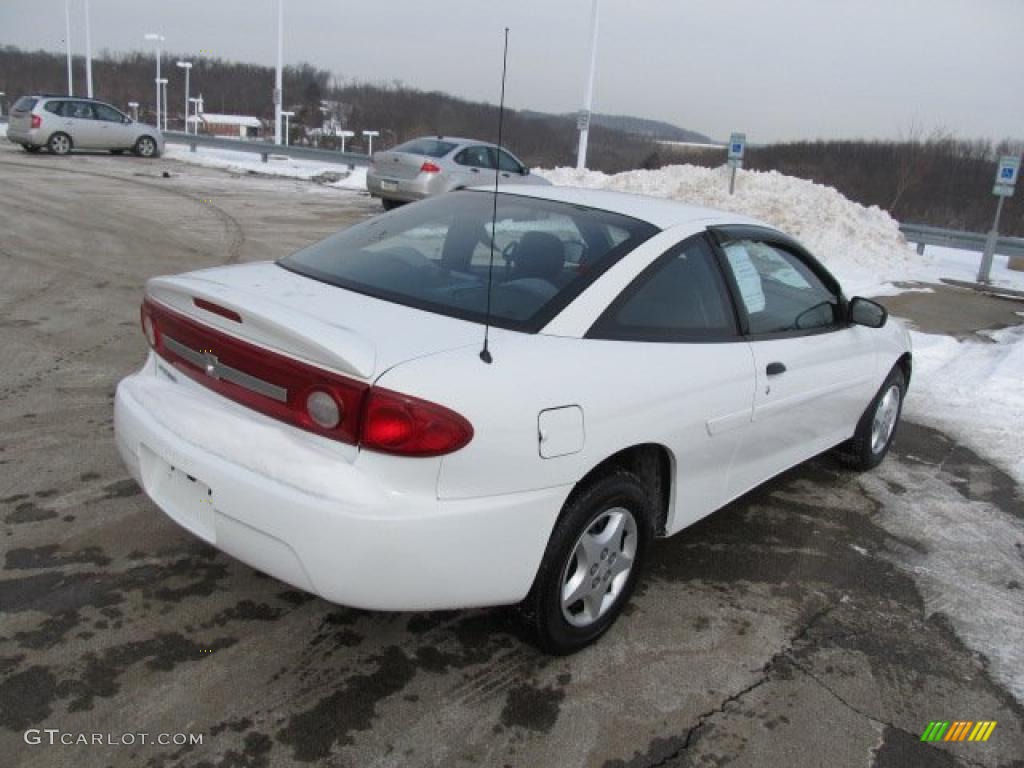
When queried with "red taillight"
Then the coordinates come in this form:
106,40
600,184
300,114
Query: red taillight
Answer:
37,121
217,309
300,394
429,167
407,426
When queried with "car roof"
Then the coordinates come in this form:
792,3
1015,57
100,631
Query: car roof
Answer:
658,211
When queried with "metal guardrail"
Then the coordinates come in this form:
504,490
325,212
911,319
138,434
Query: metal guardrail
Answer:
266,149
955,238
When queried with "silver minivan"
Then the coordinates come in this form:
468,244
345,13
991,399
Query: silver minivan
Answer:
64,123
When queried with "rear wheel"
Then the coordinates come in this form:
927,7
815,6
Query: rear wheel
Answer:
389,204
59,144
877,426
591,564
31,148
145,147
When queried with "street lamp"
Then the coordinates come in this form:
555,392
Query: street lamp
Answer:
369,135
588,95
158,39
187,66
286,115
135,110
88,54
67,42
345,135
162,83
2,94
278,87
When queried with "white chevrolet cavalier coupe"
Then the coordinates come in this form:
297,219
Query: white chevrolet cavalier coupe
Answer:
334,419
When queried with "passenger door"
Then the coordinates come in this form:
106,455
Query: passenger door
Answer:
691,373
114,133
81,124
474,166
814,370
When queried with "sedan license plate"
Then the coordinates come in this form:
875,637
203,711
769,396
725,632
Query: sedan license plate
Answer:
389,186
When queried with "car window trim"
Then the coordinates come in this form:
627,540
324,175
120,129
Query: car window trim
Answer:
603,329
720,235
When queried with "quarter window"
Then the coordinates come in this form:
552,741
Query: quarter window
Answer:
681,297
778,290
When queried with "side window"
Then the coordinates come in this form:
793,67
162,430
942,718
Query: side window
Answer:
477,157
681,297
508,163
779,292
79,110
54,107
103,112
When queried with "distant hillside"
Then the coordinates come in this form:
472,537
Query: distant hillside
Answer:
654,130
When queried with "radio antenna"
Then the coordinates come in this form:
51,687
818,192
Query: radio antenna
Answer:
485,353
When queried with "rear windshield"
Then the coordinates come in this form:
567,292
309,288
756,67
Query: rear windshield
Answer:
435,255
428,147
24,104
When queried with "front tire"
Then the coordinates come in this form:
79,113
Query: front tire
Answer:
877,426
59,144
145,147
591,565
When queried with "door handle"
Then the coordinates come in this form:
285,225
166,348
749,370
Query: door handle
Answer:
775,369
474,170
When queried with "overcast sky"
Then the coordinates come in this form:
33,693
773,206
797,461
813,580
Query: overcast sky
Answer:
777,69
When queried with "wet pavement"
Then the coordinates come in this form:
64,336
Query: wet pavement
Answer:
823,619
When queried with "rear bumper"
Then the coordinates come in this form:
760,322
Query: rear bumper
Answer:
30,136
358,542
406,190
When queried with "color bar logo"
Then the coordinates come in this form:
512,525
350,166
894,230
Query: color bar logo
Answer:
958,730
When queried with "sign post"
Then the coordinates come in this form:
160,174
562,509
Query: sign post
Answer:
737,146
1006,180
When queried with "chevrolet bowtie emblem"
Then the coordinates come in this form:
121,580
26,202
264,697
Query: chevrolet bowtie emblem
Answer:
211,365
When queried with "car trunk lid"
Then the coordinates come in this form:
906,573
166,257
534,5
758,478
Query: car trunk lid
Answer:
398,165
328,326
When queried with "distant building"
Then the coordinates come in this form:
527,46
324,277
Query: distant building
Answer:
228,126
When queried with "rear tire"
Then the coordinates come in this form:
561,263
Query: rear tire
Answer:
591,565
146,147
389,205
877,426
30,148
59,144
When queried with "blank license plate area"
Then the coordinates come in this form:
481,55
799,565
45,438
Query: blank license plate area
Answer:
389,186
184,497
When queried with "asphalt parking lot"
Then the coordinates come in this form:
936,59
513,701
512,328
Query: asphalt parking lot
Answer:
794,627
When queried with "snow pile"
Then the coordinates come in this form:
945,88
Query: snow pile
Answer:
974,390
276,165
862,245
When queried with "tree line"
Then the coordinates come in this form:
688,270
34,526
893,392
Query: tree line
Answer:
939,179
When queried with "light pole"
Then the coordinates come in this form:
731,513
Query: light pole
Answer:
158,39
278,95
67,42
88,54
162,82
286,116
135,110
2,94
345,135
369,135
588,94
187,66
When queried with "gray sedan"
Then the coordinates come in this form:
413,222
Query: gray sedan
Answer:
430,166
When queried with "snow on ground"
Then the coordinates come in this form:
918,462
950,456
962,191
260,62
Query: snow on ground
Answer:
276,165
975,390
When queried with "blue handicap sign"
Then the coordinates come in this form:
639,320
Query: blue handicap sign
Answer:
1007,173
737,147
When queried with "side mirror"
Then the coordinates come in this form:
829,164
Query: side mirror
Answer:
867,313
